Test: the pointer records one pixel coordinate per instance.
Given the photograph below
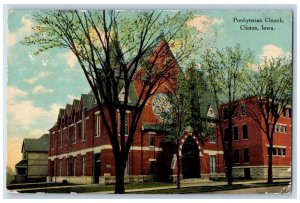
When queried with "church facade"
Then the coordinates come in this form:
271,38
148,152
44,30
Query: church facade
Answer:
80,149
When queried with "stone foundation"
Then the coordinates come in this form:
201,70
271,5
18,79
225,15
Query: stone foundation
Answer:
261,172
71,179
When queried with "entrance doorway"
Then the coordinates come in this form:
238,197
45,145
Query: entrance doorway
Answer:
190,159
97,167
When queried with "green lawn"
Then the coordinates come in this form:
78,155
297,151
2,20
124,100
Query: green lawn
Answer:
93,188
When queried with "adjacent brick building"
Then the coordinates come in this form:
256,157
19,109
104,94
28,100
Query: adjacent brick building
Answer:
250,144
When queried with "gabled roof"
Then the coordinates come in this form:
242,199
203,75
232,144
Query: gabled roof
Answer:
36,145
61,113
76,104
22,163
87,100
68,109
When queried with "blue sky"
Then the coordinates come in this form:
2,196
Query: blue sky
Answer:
39,85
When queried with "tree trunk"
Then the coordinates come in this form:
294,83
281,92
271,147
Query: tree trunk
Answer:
119,169
178,165
270,164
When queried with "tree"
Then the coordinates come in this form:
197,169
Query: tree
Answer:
271,84
186,109
116,49
223,69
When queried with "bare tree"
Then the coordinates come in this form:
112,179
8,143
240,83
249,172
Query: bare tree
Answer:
271,85
118,49
223,72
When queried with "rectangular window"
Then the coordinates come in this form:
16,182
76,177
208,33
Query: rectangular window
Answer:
226,134
245,132
61,136
235,133
225,113
234,114
244,109
74,165
284,129
152,168
151,139
279,151
98,125
290,113
280,129
83,165
284,112
276,127
60,167
75,131
67,167
236,156
274,151
83,126
212,162
283,151
212,135
246,155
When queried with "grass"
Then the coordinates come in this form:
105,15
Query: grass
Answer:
203,189
92,188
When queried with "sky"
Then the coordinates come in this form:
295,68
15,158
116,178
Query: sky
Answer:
37,86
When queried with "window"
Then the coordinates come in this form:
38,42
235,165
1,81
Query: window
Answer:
75,131
235,133
234,114
60,167
290,113
276,127
152,168
151,139
212,164
82,126
126,124
61,136
283,151
83,165
274,151
74,165
280,128
98,125
279,151
67,167
226,134
225,113
212,135
236,156
284,112
284,129
246,155
244,109
245,132
67,135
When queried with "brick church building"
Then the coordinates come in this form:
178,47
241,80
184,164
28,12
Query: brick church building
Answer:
80,149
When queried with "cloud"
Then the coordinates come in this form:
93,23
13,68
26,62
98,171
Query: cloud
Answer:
41,75
11,39
202,23
22,113
27,25
70,58
271,51
72,97
40,89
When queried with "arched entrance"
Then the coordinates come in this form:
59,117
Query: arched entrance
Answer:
190,158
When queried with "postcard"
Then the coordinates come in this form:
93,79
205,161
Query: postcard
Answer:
149,101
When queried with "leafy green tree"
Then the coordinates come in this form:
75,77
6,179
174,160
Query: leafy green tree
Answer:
115,48
271,83
187,106
223,68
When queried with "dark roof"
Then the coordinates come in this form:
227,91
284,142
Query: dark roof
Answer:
87,100
36,145
68,108
23,162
